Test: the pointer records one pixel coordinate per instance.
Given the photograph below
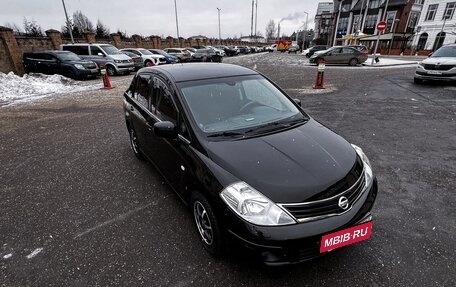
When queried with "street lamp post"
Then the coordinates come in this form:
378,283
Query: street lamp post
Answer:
68,23
177,23
337,22
220,38
379,33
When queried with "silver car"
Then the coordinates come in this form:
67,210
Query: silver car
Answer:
440,66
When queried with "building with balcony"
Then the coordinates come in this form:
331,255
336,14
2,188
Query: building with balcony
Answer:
324,23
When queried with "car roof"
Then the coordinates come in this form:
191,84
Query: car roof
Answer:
200,71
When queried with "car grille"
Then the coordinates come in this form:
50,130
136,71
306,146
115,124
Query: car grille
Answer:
90,66
125,61
438,67
327,203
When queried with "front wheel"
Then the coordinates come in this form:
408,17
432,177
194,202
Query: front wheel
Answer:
134,144
111,70
353,62
207,224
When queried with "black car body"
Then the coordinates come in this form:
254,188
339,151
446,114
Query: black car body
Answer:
244,49
59,62
270,179
313,49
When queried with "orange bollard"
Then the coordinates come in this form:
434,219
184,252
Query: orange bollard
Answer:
106,81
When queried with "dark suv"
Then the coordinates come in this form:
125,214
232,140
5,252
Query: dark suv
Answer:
59,62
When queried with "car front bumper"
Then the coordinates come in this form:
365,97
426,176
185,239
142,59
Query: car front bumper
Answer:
439,76
282,245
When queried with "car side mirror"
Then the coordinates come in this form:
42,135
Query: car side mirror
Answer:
165,129
297,101
430,54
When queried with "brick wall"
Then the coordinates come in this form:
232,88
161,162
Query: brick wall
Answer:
12,47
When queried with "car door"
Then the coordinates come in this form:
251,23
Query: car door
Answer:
47,64
332,57
169,155
346,55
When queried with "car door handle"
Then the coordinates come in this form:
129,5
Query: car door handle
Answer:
132,108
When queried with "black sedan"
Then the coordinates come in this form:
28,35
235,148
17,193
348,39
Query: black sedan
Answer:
253,167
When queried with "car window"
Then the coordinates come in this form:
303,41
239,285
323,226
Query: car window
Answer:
95,50
78,50
142,90
348,51
162,104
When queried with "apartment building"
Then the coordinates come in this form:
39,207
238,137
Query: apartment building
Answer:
324,22
436,25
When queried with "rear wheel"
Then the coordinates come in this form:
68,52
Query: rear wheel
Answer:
207,224
353,62
149,63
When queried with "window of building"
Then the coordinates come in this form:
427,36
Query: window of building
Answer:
449,11
432,9
439,40
422,41
390,17
412,21
371,21
374,4
343,24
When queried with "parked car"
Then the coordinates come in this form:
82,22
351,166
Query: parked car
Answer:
182,54
149,58
137,60
252,166
201,55
229,51
440,66
244,49
293,49
313,49
59,62
169,58
339,55
105,55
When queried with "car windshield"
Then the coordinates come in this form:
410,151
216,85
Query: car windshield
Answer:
68,56
449,51
161,52
110,50
145,52
244,105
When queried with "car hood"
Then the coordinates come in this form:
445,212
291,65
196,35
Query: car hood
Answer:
289,166
81,62
440,61
119,57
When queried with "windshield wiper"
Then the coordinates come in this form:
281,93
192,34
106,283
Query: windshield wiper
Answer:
225,134
278,124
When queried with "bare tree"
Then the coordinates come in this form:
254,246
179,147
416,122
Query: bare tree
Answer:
82,23
16,29
32,28
271,30
101,30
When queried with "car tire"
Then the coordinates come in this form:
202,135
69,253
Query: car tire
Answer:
70,74
149,63
110,70
207,224
134,143
417,81
353,62
308,55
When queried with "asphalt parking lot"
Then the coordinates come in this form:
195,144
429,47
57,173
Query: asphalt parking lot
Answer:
78,209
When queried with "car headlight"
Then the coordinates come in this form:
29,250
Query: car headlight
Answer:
79,66
117,61
254,207
367,165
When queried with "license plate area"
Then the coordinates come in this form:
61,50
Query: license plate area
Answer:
346,237
434,73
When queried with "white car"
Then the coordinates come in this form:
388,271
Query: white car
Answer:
440,66
149,59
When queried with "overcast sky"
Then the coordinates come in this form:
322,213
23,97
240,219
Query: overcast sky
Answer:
157,17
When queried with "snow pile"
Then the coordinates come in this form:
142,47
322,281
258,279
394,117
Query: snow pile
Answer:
14,89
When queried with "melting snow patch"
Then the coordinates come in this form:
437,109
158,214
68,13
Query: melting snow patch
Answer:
14,89
34,253
7,256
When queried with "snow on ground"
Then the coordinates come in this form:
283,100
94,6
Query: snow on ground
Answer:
15,89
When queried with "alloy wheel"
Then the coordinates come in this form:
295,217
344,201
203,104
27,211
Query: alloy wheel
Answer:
203,222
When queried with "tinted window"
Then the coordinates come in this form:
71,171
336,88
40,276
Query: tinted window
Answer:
162,104
78,50
142,90
348,51
95,50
